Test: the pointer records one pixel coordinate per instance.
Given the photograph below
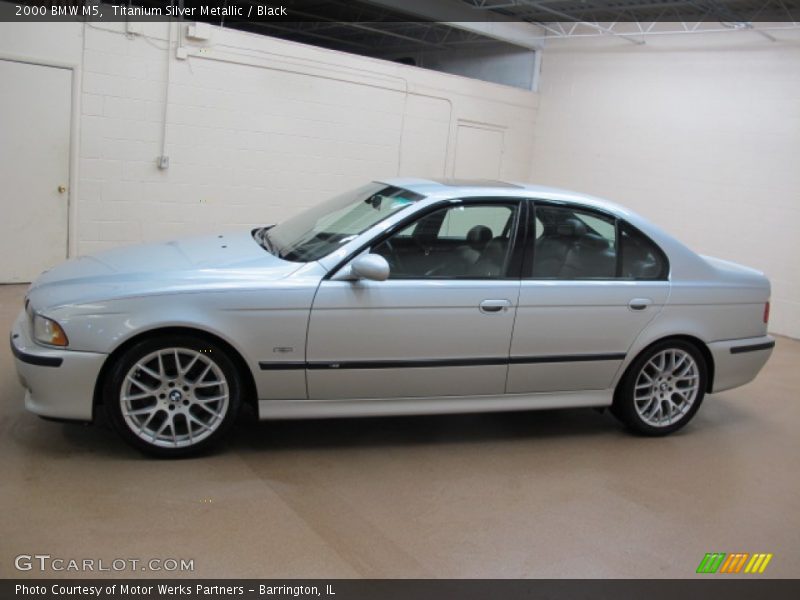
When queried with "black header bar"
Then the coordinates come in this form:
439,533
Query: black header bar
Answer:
238,12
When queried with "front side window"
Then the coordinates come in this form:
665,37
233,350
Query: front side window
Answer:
465,241
318,231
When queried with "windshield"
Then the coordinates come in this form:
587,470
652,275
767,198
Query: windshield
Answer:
320,230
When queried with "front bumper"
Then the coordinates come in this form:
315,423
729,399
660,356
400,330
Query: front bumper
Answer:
737,362
58,383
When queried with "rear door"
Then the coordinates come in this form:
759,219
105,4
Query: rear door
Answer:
590,285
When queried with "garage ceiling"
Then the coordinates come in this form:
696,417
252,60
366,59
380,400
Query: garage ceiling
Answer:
544,11
389,28
379,27
363,27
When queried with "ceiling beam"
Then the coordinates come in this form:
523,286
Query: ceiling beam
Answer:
457,14
567,17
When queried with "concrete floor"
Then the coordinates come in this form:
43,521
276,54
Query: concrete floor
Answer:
548,494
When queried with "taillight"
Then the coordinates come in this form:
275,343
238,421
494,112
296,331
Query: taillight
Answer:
766,312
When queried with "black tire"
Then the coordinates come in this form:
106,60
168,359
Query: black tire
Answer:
625,403
173,397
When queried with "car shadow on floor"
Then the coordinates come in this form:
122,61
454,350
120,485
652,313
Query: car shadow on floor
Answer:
420,430
251,435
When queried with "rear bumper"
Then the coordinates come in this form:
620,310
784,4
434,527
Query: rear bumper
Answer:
58,383
737,362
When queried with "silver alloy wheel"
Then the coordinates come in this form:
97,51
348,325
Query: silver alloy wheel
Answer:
666,387
174,397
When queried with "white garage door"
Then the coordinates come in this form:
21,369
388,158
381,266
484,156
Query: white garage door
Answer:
34,168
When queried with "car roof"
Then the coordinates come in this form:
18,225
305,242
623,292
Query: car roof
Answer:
464,188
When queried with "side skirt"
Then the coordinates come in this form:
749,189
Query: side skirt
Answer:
381,407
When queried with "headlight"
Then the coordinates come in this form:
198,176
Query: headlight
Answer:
47,331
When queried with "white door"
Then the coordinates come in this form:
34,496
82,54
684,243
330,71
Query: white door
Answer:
479,152
34,168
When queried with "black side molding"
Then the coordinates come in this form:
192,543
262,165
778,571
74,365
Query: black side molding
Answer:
281,366
752,348
32,359
65,421
522,360
408,364
438,362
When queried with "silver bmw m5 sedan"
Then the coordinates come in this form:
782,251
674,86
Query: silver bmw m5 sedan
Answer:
404,296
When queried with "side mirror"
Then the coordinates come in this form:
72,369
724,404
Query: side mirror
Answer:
370,266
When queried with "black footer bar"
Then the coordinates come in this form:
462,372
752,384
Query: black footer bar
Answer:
710,587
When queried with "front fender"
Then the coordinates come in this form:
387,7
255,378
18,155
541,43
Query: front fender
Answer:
261,325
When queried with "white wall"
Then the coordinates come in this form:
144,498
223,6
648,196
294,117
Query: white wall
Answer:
701,133
256,127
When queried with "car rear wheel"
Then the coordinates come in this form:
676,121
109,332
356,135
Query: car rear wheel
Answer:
173,395
662,389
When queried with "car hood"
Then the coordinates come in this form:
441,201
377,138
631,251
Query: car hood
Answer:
204,263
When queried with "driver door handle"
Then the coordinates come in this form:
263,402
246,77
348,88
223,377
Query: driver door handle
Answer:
494,306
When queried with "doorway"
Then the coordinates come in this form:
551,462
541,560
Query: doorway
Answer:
35,108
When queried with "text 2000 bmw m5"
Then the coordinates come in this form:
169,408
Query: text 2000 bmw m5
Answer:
401,297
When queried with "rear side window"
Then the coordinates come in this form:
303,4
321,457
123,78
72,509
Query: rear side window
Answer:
641,258
572,243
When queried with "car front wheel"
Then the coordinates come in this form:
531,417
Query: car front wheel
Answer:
662,389
173,396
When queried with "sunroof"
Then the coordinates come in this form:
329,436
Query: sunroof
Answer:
487,183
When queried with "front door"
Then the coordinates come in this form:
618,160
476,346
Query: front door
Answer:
439,326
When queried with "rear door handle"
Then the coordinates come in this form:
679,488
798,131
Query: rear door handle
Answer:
639,303
494,306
